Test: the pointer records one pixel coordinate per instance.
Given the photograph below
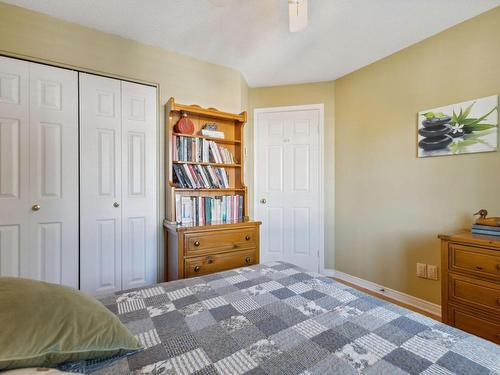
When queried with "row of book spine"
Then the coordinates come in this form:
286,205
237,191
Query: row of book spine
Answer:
208,210
200,150
195,176
485,230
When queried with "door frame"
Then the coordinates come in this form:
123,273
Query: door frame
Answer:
321,108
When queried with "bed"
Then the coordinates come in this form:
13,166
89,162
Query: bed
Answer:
276,318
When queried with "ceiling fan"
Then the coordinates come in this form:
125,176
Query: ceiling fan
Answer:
297,13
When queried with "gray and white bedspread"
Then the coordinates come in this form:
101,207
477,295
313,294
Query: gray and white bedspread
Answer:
278,319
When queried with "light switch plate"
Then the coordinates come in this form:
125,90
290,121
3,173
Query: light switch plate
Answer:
432,272
422,270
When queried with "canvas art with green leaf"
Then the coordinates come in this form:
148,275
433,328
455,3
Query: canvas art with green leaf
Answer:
461,128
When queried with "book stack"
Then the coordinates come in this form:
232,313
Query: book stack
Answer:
200,150
212,133
208,210
485,230
195,176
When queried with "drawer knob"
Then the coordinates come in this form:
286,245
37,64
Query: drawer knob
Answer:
197,269
209,260
247,237
498,267
248,259
196,243
479,268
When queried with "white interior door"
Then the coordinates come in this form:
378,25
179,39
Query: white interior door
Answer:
287,187
139,236
53,160
100,184
14,169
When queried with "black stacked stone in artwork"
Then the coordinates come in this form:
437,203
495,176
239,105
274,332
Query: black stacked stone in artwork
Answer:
436,133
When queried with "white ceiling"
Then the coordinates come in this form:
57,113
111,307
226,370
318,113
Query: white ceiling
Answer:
252,35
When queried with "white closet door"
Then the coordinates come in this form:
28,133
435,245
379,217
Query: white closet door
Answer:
14,170
53,160
100,184
139,223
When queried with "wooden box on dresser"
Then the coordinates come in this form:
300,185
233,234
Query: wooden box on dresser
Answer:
204,245
471,283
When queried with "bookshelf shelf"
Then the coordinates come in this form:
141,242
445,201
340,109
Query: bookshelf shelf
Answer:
206,215
208,190
217,140
222,165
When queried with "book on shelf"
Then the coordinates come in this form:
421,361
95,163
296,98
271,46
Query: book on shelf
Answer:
207,210
195,176
200,150
212,133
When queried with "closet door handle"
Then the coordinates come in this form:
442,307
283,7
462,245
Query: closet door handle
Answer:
35,207
116,204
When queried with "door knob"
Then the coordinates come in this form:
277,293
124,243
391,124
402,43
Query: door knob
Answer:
36,207
116,204
263,201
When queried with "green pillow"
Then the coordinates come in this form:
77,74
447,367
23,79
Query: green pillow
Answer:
44,324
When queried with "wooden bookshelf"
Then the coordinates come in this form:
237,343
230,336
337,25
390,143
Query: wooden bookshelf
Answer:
220,245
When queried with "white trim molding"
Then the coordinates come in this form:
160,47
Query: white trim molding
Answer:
416,302
321,109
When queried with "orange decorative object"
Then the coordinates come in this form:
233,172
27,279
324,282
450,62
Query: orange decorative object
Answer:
184,125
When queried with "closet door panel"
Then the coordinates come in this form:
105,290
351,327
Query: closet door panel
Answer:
14,169
140,242
53,144
100,184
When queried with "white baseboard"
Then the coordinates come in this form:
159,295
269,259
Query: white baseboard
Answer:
418,303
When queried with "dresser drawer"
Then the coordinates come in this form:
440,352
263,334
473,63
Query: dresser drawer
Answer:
202,265
475,260
474,324
476,293
222,240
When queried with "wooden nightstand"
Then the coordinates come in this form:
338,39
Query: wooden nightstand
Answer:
471,283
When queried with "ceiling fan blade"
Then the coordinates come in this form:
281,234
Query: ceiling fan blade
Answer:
297,15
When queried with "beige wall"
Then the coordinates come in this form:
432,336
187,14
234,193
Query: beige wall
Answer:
36,36
311,93
390,205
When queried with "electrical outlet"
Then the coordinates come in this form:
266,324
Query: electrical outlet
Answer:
432,272
422,270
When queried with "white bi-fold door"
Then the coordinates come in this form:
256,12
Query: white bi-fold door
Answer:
38,172
287,147
118,241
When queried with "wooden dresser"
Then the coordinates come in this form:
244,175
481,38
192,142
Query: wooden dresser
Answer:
201,250
471,283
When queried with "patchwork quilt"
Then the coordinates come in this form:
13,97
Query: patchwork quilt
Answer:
276,318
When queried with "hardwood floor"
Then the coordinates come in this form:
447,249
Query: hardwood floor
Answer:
381,296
